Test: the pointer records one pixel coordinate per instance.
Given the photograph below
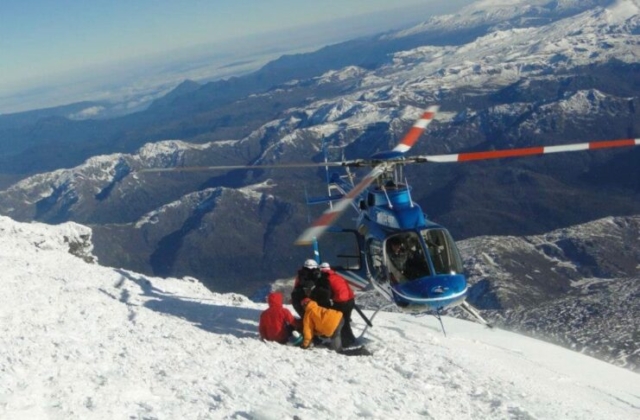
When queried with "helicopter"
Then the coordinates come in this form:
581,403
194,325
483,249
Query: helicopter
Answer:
397,251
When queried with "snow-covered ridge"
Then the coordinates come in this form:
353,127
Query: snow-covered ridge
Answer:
530,269
584,102
33,238
198,198
169,152
331,118
336,76
206,198
101,169
99,172
598,230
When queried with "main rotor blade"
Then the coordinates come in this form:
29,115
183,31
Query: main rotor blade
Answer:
527,151
405,145
228,167
330,215
416,130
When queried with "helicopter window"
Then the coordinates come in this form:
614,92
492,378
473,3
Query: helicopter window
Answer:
371,200
405,258
390,185
443,251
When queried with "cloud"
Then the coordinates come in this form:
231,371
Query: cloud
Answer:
91,112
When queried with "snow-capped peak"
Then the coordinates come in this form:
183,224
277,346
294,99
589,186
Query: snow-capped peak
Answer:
346,73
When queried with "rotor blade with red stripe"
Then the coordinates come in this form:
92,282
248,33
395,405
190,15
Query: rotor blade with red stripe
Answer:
330,215
416,130
527,151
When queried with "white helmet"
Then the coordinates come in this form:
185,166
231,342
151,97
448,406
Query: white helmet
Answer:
310,264
325,266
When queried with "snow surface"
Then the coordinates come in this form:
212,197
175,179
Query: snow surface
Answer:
81,341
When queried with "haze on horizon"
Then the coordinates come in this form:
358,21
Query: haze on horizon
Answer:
64,52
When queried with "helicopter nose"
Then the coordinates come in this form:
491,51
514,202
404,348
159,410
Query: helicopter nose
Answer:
435,292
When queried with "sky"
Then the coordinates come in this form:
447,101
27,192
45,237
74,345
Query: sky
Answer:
43,42
83,341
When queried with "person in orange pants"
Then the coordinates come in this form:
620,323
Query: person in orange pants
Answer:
322,322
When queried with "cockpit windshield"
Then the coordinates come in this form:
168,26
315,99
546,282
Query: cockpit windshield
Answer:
406,260
443,251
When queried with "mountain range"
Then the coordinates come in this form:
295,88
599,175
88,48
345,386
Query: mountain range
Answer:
513,75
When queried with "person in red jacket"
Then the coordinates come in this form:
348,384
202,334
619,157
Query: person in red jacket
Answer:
343,300
277,323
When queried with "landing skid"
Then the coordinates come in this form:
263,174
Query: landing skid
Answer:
474,312
439,318
464,305
368,321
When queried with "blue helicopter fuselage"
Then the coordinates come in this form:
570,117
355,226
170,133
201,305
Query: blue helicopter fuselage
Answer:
389,212
392,209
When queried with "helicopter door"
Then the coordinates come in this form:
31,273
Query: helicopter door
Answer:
341,250
443,251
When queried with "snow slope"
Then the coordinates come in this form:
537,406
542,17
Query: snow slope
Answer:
81,341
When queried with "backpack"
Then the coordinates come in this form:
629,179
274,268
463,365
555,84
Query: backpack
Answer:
322,292
306,281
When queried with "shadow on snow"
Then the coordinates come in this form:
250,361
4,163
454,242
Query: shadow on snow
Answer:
237,321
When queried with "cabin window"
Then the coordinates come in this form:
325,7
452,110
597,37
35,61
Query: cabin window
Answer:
405,258
442,251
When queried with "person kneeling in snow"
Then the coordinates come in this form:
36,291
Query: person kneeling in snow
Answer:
277,323
323,322
343,300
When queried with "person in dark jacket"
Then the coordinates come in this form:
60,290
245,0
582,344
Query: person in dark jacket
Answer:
310,282
277,323
343,300
322,292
